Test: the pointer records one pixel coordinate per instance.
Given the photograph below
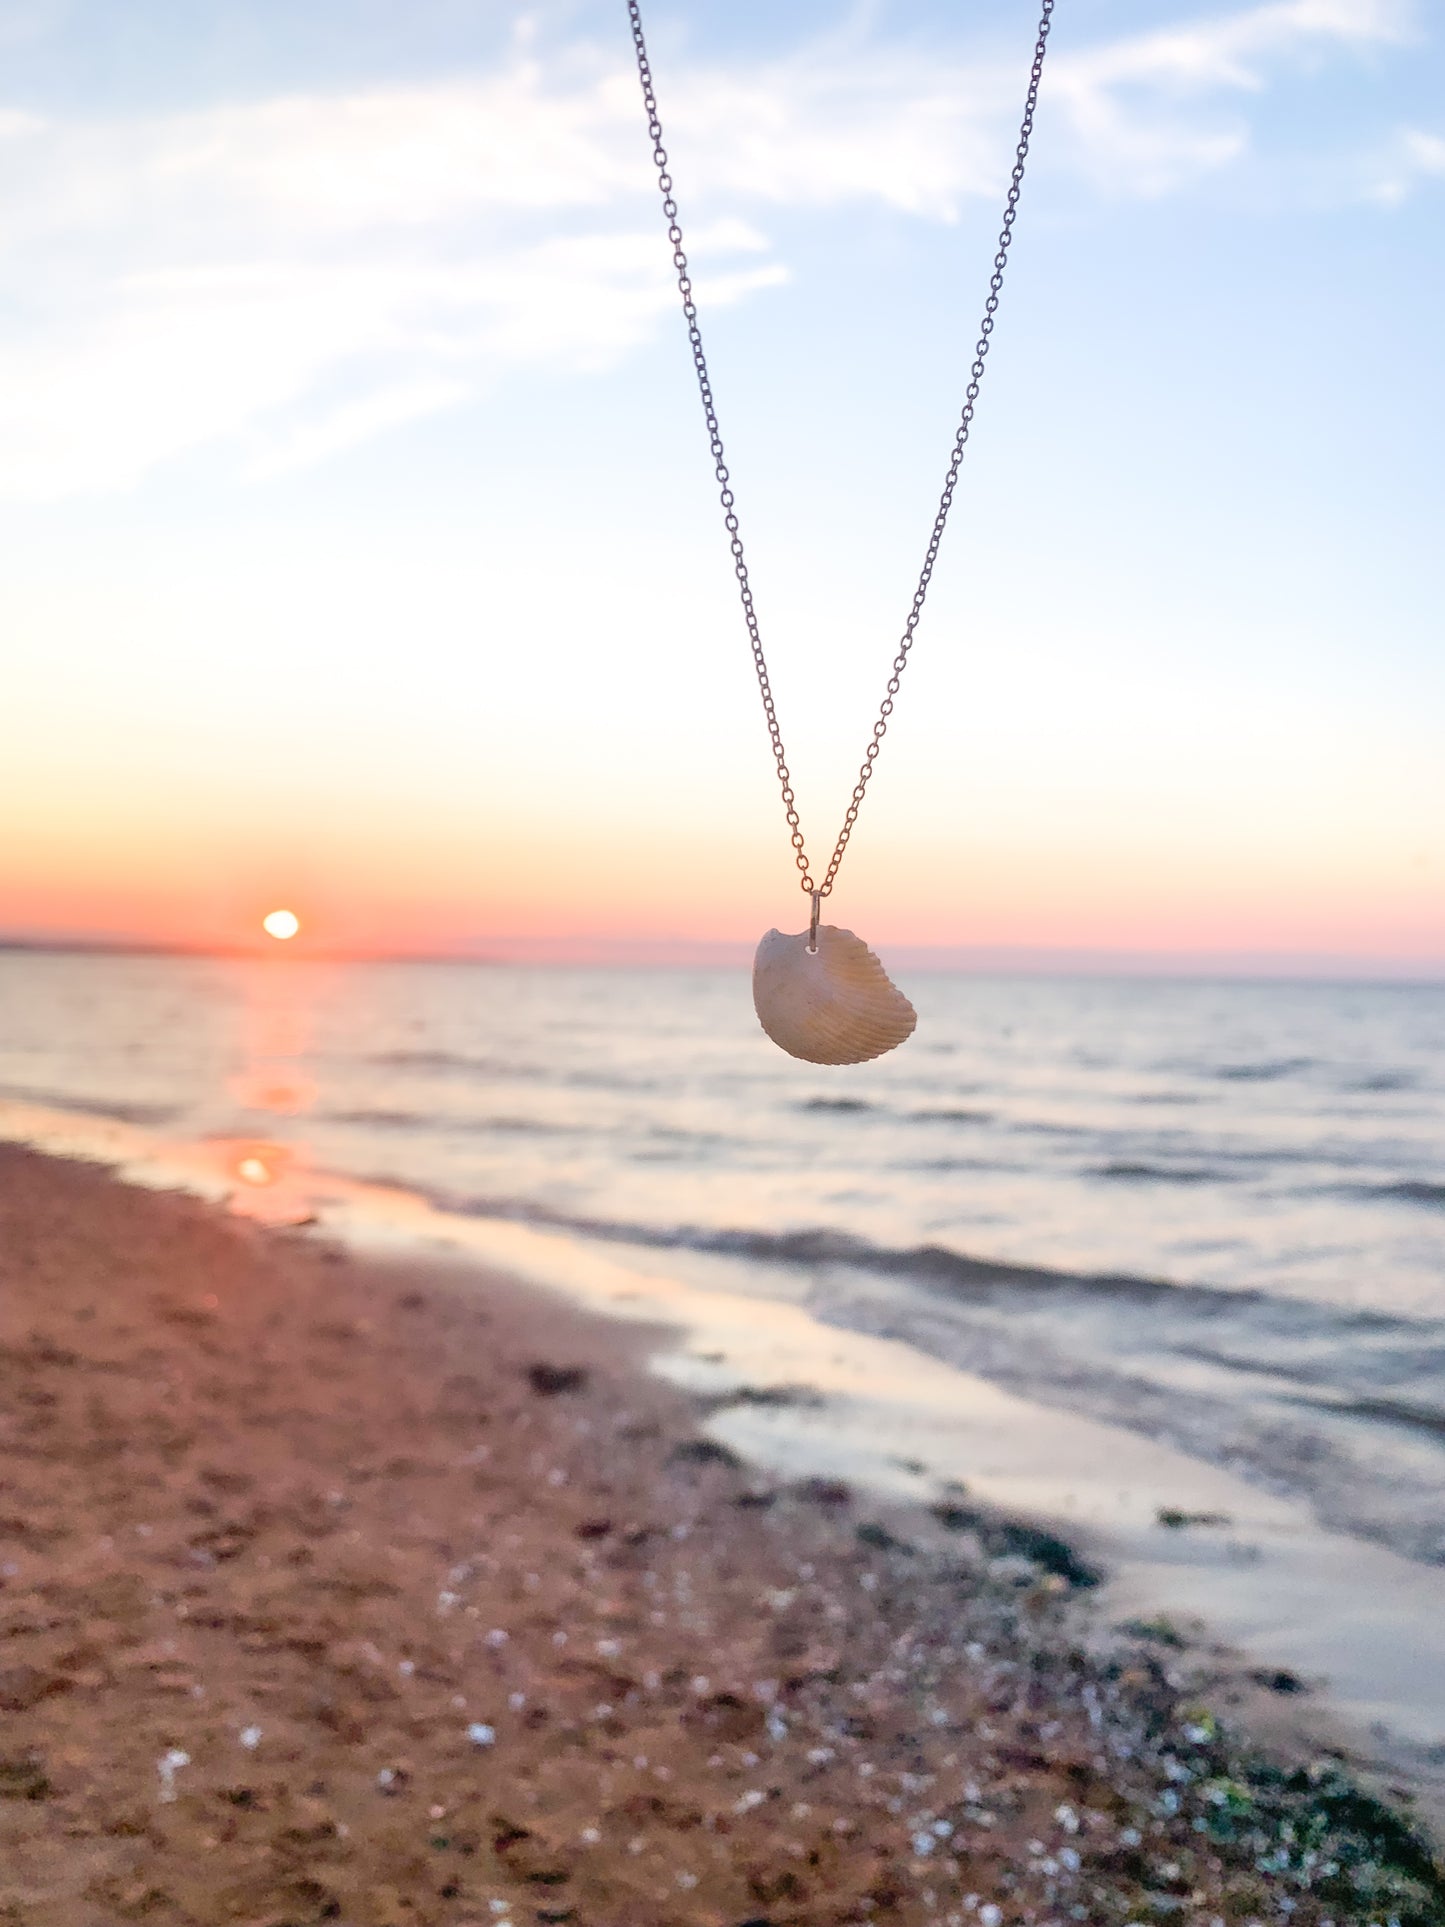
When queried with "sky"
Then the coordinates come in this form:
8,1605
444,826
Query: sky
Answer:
360,546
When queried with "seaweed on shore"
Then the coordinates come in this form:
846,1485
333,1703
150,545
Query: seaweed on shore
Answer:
1314,1828
1303,1830
1015,1538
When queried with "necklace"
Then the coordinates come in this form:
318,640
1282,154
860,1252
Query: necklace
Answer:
822,995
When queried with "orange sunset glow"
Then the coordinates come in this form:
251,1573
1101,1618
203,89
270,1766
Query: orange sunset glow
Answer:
953,858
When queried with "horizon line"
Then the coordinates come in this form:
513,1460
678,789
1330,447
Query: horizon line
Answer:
725,953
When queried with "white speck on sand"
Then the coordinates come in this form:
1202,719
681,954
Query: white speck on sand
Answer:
168,1765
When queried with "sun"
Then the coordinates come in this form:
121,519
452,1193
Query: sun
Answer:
281,924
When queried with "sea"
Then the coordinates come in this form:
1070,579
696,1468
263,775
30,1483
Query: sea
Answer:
1212,1213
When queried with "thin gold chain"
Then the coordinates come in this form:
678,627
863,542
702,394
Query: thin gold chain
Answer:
720,468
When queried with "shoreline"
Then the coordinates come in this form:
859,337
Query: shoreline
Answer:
1356,1628
280,1507
1252,1586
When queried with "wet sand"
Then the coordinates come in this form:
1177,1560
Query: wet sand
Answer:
392,1592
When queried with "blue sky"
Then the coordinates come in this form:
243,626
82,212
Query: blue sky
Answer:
358,516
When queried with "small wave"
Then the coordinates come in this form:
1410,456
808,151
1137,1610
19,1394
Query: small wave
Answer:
1270,1367
609,1081
1406,1191
1263,1073
1320,1372
1384,1081
690,1141
445,1060
135,1112
948,1117
1159,1174
379,1119
1417,1418
842,1104
932,1264
951,1164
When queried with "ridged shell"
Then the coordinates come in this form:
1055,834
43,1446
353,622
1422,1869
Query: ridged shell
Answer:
834,1005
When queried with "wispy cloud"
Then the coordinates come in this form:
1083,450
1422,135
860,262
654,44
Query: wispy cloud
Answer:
1414,156
296,275
1146,109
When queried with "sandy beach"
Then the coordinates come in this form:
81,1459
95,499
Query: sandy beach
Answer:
393,1592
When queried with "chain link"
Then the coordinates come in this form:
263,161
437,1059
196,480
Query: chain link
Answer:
720,468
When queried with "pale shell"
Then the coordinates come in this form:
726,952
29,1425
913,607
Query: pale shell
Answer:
834,1005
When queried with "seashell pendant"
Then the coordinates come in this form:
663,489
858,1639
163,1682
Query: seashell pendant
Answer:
829,1005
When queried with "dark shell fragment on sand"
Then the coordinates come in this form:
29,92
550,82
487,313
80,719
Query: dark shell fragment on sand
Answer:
547,1381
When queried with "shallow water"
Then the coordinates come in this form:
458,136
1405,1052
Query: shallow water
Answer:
1227,1200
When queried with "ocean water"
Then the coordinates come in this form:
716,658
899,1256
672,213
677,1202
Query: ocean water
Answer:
1211,1212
